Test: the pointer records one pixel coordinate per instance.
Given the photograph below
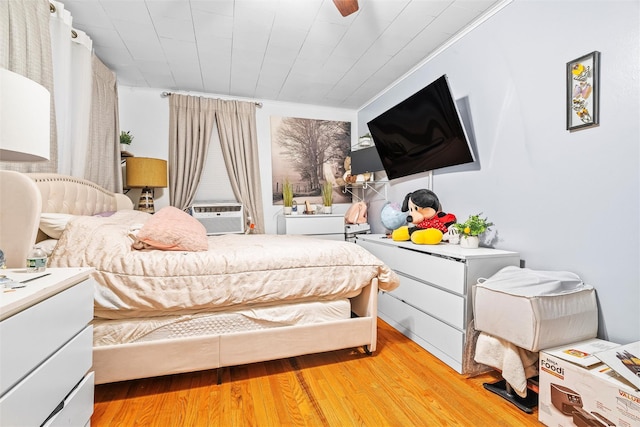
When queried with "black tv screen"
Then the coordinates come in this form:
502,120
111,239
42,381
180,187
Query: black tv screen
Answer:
422,133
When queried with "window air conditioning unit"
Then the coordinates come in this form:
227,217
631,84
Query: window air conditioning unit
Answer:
219,218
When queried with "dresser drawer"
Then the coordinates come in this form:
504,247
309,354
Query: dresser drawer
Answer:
387,253
443,305
445,273
35,397
315,224
32,335
443,341
78,406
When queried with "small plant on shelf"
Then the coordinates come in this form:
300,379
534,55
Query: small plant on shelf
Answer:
126,138
287,193
327,193
473,226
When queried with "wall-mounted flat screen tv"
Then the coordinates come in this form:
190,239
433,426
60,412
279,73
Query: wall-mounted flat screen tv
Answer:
422,133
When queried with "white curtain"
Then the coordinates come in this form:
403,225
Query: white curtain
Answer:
71,50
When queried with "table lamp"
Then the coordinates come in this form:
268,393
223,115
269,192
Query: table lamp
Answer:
24,137
24,119
146,173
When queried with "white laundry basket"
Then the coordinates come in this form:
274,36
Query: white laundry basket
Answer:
535,309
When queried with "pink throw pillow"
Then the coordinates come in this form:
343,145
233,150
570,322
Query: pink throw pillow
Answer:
171,229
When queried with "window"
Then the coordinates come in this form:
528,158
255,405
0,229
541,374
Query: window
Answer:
214,183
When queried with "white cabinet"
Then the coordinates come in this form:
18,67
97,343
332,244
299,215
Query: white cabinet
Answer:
433,306
47,346
324,226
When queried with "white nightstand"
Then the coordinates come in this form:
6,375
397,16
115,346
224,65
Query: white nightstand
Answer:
46,349
323,226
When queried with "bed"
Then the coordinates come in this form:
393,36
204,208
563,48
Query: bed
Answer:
160,312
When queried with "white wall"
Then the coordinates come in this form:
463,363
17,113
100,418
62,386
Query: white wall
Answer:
146,114
564,200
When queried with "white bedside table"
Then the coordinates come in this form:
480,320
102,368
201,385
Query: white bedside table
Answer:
323,226
46,348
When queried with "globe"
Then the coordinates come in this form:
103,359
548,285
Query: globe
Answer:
392,217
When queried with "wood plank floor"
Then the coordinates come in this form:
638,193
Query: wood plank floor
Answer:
400,385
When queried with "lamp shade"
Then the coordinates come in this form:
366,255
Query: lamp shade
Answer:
24,119
146,172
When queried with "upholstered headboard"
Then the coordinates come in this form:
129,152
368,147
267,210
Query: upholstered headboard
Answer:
76,196
23,197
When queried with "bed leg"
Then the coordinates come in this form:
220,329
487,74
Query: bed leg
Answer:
219,375
367,350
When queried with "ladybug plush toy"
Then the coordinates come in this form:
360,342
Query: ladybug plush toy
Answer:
430,223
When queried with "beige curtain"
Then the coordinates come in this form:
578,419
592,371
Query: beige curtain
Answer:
103,150
238,138
25,48
191,121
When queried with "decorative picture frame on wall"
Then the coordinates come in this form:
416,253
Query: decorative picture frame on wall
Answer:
308,153
583,91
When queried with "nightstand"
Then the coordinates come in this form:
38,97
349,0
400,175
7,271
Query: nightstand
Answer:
46,350
322,226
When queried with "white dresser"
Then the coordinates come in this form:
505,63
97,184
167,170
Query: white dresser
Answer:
433,306
323,226
46,350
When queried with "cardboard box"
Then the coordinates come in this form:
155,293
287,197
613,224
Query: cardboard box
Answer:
584,392
625,360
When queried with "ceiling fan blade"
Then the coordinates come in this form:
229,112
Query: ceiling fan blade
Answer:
346,7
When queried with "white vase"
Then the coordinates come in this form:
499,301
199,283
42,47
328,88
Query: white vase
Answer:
326,209
470,242
287,210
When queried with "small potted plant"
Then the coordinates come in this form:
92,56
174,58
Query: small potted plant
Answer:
327,196
125,140
287,196
365,140
471,229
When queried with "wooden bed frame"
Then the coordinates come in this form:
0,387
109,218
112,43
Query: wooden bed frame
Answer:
65,194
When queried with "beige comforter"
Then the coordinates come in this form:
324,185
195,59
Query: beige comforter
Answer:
236,270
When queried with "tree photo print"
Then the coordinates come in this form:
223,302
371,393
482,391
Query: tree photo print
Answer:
309,153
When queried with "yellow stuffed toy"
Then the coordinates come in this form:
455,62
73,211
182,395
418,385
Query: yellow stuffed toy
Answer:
401,234
427,236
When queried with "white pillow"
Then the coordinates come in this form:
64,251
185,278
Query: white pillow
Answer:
53,224
47,246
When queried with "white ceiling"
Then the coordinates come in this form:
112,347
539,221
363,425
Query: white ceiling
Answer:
300,51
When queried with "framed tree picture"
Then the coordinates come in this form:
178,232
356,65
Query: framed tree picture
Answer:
583,91
308,154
